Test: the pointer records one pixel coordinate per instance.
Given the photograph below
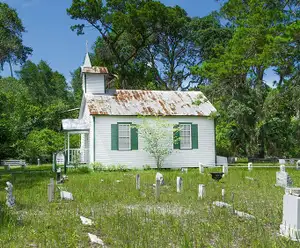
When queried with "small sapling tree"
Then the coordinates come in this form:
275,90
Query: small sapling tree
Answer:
157,135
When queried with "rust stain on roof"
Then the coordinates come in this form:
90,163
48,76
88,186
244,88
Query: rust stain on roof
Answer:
135,102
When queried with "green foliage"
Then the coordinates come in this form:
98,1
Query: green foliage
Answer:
41,144
12,49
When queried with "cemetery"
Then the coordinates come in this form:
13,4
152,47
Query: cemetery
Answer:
254,207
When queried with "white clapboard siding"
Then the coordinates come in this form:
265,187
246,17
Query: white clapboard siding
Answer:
137,158
95,83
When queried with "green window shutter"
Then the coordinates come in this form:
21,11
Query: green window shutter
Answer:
134,138
176,137
114,137
195,136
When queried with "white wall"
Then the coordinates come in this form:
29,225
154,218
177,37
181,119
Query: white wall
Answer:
137,158
95,83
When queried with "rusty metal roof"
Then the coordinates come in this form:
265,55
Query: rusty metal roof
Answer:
74,125
144,102
95,69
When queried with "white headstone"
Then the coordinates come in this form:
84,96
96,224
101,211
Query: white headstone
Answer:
201,191
138,181
250,166
86,221
184,170
38,162
223,194
157,189
60,158
66,195
95,239
282,168
281,161
290,226
283,179
225,169
160,177
201,168
179,184
10,199
51,190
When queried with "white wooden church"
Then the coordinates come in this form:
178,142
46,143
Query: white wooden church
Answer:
106,116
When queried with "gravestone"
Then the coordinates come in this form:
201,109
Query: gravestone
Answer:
184,170
38,162
283,179
201,191
298,165
201,168
10,199
66,195
51,190
157,189
138,181
223,194
86,221
290,226
225,169
281,161
179,182
95,239
282,168
250,166
160,177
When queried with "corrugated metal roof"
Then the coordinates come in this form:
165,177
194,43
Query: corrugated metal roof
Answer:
95,69
140,102
74,125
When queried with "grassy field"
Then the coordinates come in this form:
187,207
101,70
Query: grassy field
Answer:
125,217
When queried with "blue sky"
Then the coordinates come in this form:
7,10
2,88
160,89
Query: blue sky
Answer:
48,31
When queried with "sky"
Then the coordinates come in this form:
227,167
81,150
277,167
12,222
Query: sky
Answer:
48,31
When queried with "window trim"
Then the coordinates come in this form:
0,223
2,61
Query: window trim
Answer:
191,145
129,147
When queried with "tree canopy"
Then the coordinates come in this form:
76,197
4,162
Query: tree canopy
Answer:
12,49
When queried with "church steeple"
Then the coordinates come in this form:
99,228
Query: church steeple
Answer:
87,61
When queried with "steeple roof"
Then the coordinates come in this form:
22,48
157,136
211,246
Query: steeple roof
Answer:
87,61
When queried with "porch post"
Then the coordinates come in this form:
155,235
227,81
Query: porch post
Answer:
68,148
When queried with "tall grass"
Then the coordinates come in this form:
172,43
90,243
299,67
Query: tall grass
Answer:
125,217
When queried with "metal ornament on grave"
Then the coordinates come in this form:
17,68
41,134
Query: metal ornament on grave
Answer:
10,199
58,175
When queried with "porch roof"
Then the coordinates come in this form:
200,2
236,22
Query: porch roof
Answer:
74,125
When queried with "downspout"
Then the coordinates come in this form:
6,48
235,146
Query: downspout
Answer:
215,124
94,137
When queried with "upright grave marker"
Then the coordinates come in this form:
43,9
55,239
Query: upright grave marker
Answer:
290,226
160,177
10,199
225,169
223,195
201,191
138,181
250,166
201,168
282,178
179,184
157,190
298,165
51,190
